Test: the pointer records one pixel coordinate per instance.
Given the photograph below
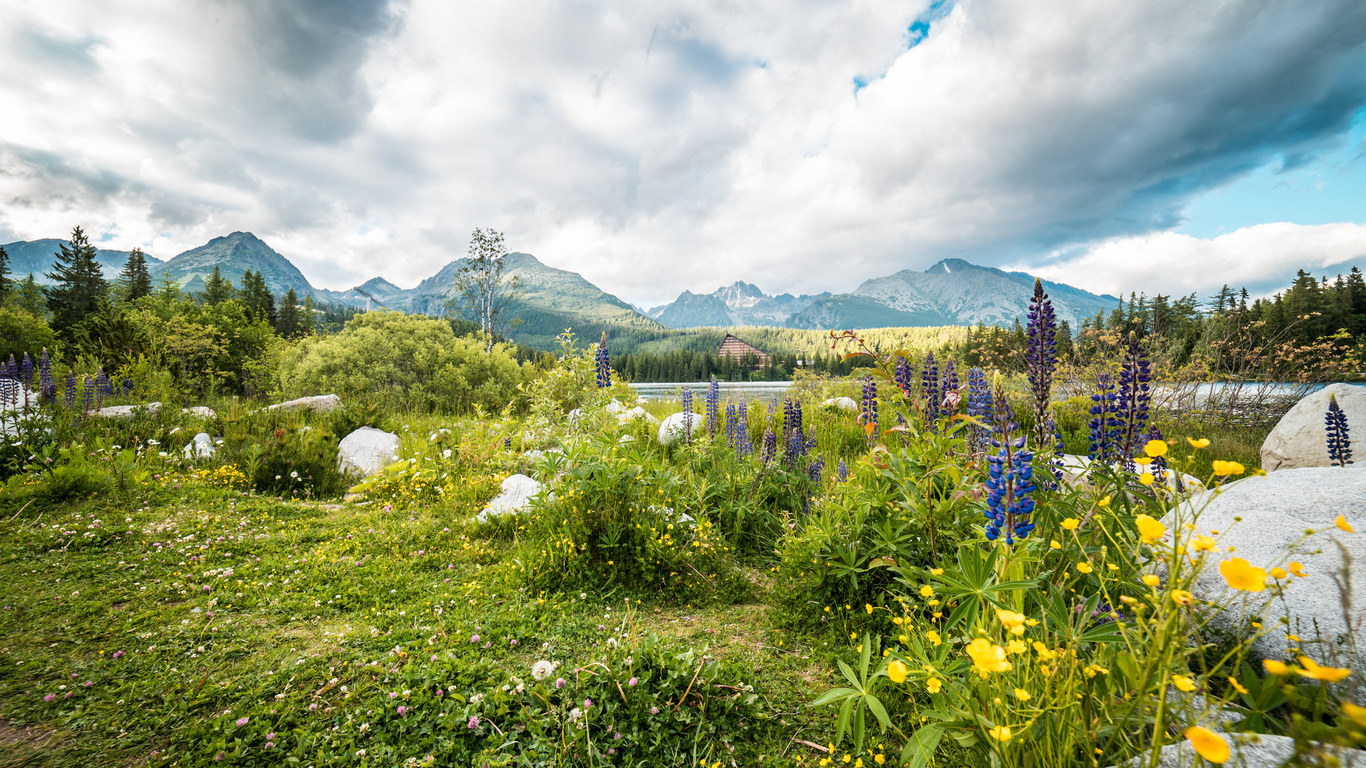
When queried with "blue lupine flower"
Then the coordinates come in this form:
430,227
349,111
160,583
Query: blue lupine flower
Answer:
70,389
88,399
103,385
10,370
979,406
26,371
1010,478
744,445
1131,404
902,376
1041,358
929,388
868,414
713,402
46,388
1339,440
842,472
770,447
127,386
687,408
1104,423
948,405
732,433
814,470
601,363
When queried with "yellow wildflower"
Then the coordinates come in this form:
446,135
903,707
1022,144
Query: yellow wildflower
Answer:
1226,468
1084,568
1358,714
1182,597
1022,694
1208,744
1278,573
896,671
1203,544
1151,580
1277,668
1000,733
1237,686
1342,523
1054,544
1242,575
1201,443
987,657
1296,569
1149,529
1313,671
934,638
1183,683
1012,620
1071,523
933,685
1156,448
927,591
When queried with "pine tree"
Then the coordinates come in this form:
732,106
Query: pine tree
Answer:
287,319
257,297
217,289
28,296
309,321
135,281
79,284
4,274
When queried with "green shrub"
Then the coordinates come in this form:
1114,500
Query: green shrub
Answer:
408,360
21,332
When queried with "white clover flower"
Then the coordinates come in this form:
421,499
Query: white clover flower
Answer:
542,669
575,714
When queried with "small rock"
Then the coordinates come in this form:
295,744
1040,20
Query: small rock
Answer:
518,491
128,411
1248,750
318,404
367,451
675,427
842,403
200,448
201,411
636,413
1298,440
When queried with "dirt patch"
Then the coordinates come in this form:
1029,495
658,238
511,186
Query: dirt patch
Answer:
26,736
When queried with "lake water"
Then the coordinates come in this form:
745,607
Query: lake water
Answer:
732,390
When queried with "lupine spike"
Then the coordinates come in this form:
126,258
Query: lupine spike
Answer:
732,433
1159,465
46,388
948,390
26,371
979,406
745,446
842,472
868,414
1104,423
814,470
770,447
687,408
601,363
1041,358
70,389
902,377
1339,439
1132,400
1010,478
713,402
929,389
88,398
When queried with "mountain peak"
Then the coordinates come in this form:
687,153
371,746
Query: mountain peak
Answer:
949,266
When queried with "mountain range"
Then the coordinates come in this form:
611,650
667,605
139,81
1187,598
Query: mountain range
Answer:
952,292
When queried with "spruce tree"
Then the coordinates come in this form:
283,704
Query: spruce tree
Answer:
4,274
217,289
79,284
135,281
257,297
287,320
309,320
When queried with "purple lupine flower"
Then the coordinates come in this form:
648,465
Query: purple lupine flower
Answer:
1010,478
769,448
1339,438
70,389
929,389
744,445
1132,400
687,408
601,364
979,407
732,433
10,370
815,468
842,471
902,376
948,390
26,371
868,413
88,395
127,387
1041,358
1104,423
713,403
47,390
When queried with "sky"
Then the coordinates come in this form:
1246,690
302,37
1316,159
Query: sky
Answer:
1161,146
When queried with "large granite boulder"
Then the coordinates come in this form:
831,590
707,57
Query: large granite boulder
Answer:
842,403
16,397
199,448
128,411
317,403
518,491
636,413
1248,750
1299,440
367,451
676,427
1263,520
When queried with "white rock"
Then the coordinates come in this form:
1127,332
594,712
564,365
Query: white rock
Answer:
200,448
674,427
842,403
518,491
1248,750
318,403
202,411
1276,509
615,407
128,411
1075,468
636,413
1298,439
16,397
367,451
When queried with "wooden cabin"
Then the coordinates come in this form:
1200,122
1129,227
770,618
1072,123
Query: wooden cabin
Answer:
734,347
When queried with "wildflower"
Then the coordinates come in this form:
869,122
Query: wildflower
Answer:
1277,668
1208,744
1070,524
1342,523
1278,573
600,363
1022,694
1182,598
1105,424
1145,479
1149,529
1242,575
1044,653
542,669
1010,479
925,591
1041,358
1339,442
868,411
1183,683
1054,544
654,710
1237,686
1296,569
933,685
1203,544
242,721
1000,732
1132,398
896,671
1012,621
1155,448
987,657
979,405
1226,468
1313,671
934,638
1200,443
1084,567
1358,714
1151,580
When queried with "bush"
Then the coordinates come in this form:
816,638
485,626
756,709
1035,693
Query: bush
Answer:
413,361
21,332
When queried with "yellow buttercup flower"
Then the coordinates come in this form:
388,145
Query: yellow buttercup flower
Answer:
1143,461
1151,580
1071,524
927,591
987,657
1277,668
1208,744
1237,686
1242,575
1044,653
1278,573
1183,683
1012,620
1313,671
1145,479
896,671
937,571
1054,544
1296,569
933,685
1155,448
1182,597
1149,529
933,637
1000,733
1201,443
1226,468
1016,647
1084,568
1105,502
1358,714
1203,544
1022,694
1342,523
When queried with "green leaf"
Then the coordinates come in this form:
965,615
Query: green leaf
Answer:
832,695
849,675
920,749
878,711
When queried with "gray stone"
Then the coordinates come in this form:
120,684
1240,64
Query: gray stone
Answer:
636,413
676,426
1075,468
199,448
201,411
842,403
518,491
1298,440
15,397
367,451
128,411
318,404
1275,512
1248,750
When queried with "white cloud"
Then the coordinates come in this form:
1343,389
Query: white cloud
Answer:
656,146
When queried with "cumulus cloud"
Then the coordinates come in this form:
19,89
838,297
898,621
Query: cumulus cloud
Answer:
799,144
